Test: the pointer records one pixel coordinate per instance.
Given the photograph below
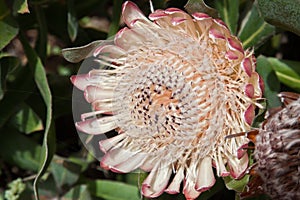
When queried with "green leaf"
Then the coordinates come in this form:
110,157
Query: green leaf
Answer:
135,178
288,72
254,30
20,6
193,6
229,11
8,27
19,150
40,79
77,54
79,192
271,82
72,21
236,185
284,14
27,121
64,171
112,190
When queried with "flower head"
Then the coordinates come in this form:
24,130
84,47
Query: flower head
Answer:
173,88
277,150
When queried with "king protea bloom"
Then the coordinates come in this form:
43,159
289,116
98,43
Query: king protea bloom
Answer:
173,87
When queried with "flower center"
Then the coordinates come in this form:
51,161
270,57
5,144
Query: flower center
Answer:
163,98
158,102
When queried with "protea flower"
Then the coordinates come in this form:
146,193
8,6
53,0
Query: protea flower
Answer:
277,152
173,88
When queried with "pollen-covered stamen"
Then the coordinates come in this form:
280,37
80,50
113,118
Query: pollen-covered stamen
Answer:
154,100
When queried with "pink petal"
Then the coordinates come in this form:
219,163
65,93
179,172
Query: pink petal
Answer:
157,181
128,39
253,58
249,114
174,186
261,85
241,151
109,50
231,55
200,16
177,20
257,83
249,90
174,10
80,81
115,157
157,14
247,66
94,114
149,164
206,178
106,145
97,126
189,190
100,105
203,25
130,164
161,18
238,166
220,23
93,93
215,33
220,166
235,44
130,13
177,13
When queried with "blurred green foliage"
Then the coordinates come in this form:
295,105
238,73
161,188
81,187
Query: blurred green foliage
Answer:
41,155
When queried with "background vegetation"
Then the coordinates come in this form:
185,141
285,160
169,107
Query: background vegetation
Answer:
40,151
